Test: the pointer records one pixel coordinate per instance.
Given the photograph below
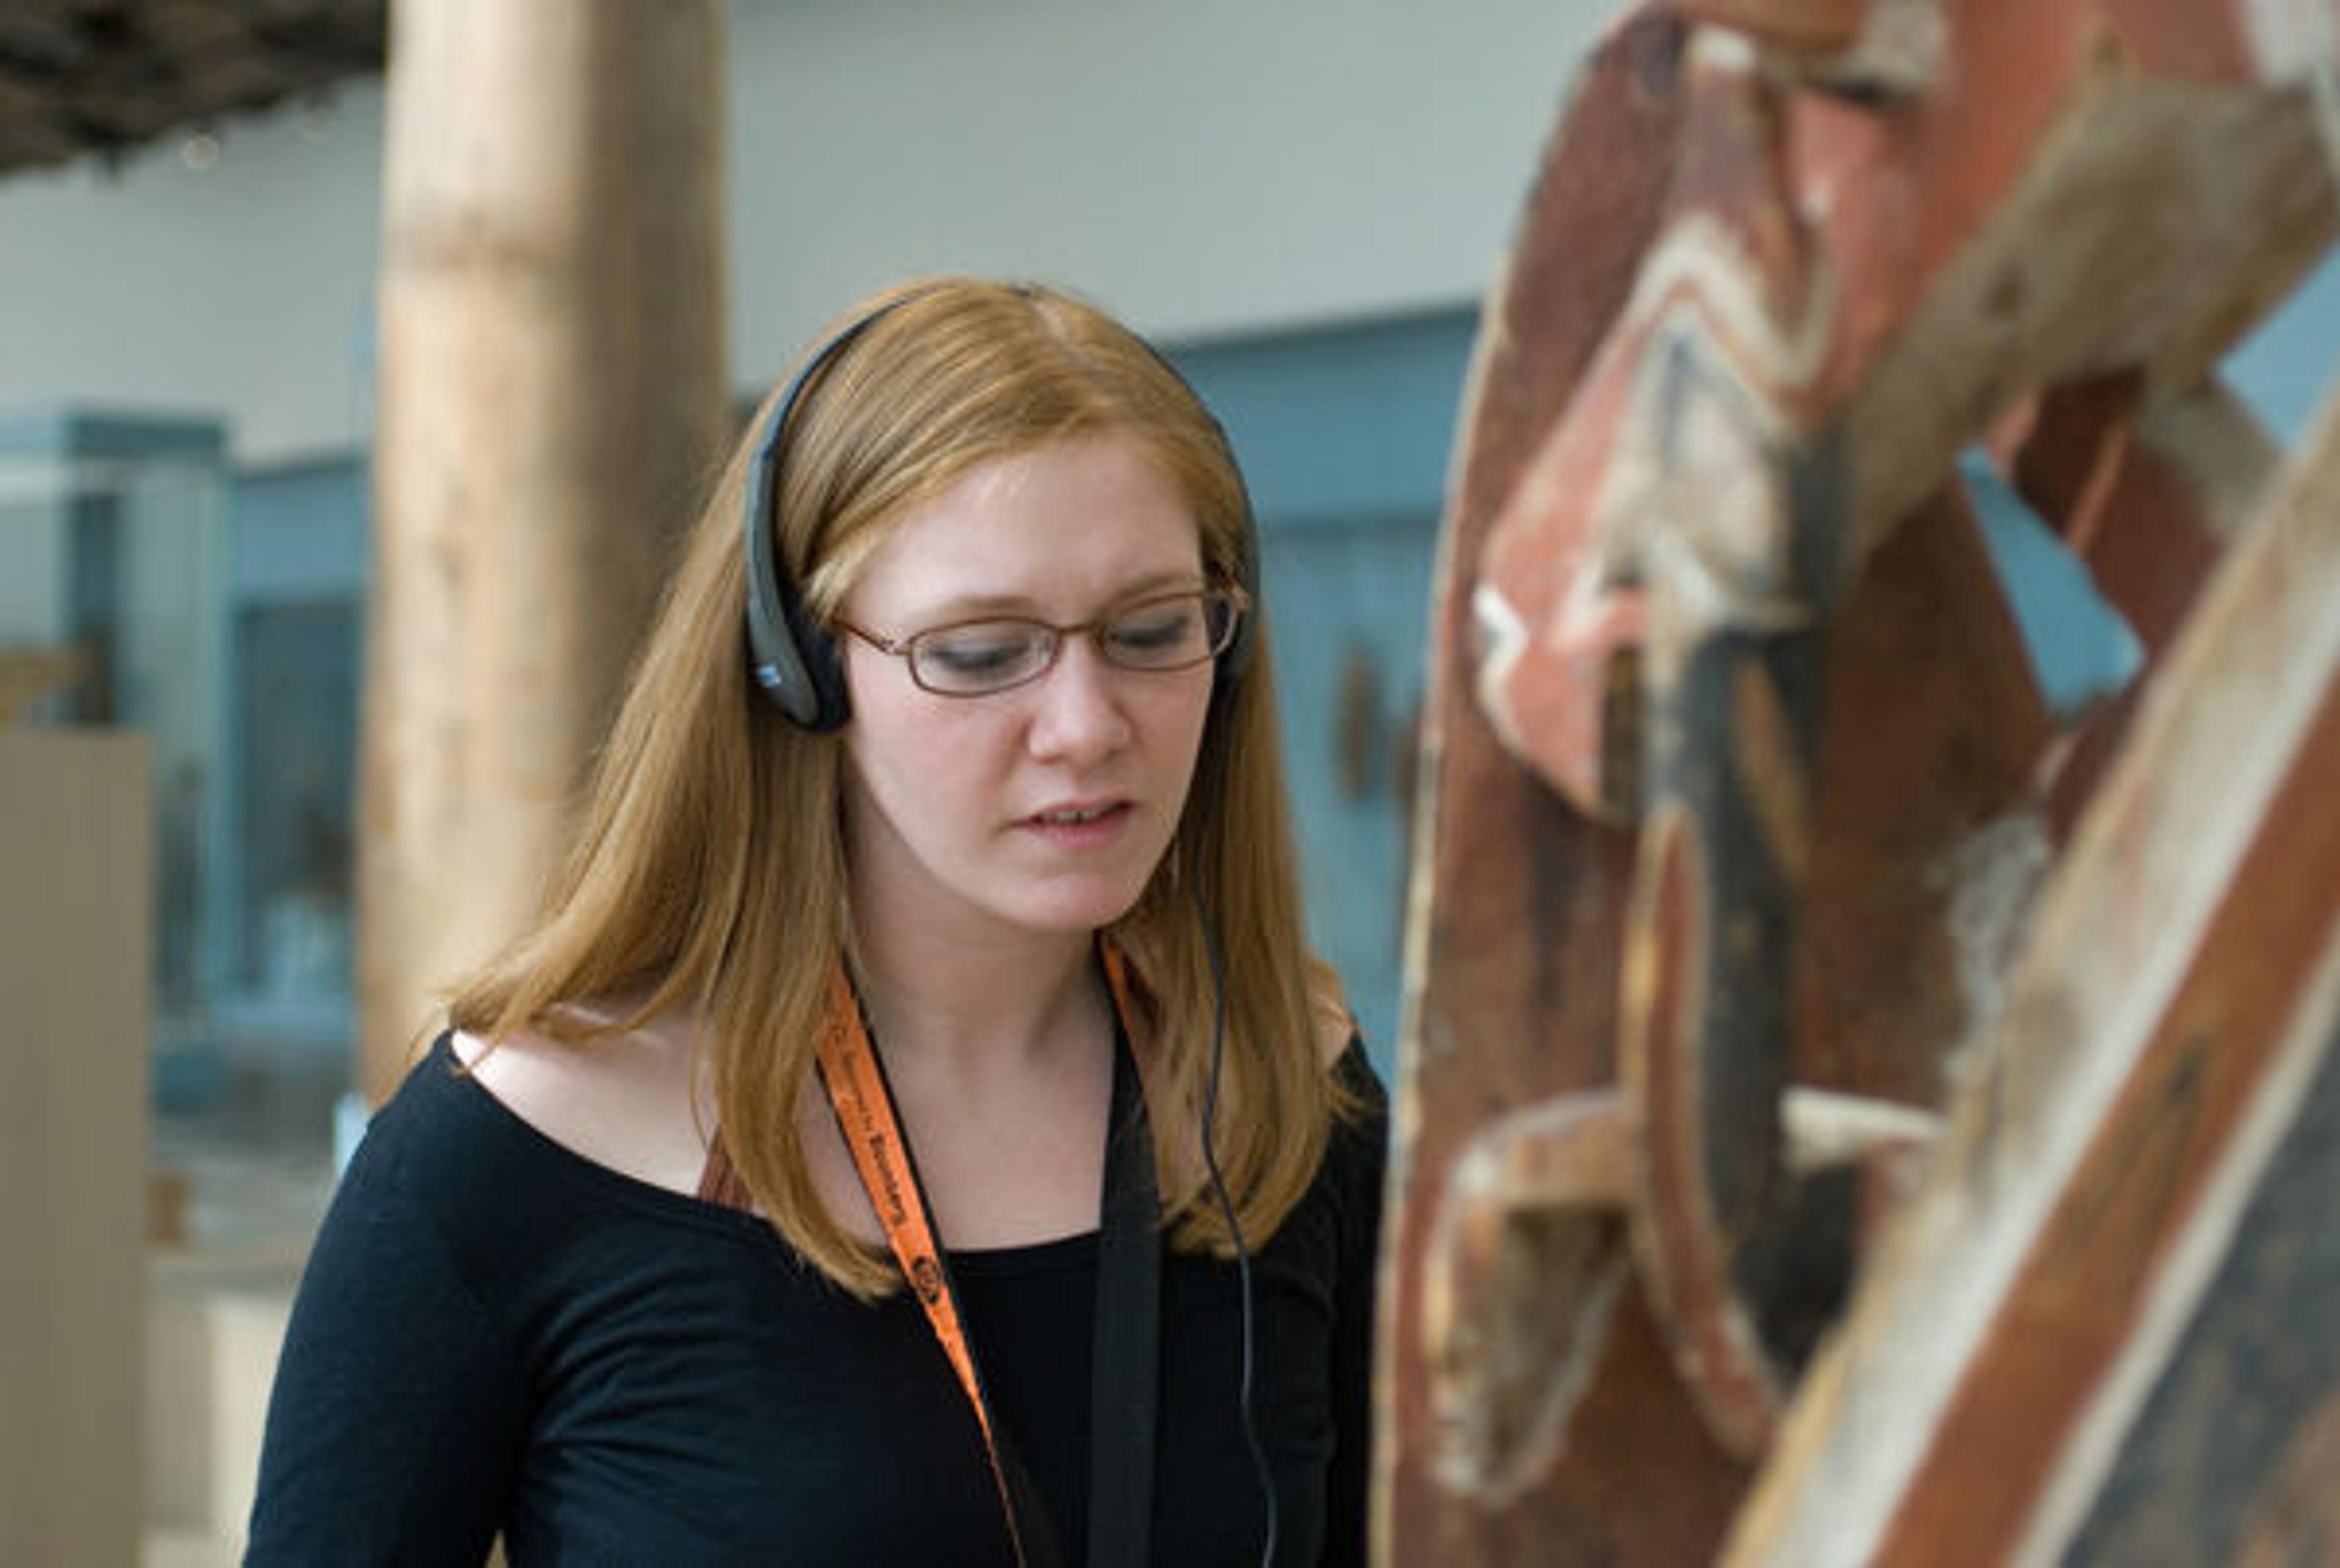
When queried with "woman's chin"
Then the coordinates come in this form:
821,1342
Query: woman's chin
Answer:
1088,905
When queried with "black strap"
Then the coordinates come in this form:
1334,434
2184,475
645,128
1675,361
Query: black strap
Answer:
1127,1350
1126,1362
1126,1355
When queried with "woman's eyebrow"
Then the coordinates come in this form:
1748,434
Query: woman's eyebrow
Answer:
1024,607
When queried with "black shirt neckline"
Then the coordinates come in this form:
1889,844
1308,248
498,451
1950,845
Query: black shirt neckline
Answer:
1050,1255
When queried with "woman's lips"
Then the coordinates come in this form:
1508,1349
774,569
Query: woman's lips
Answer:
1080,827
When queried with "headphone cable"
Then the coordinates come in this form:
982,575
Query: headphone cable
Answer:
1226,1202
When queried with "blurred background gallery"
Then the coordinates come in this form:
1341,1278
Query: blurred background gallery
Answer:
1302,203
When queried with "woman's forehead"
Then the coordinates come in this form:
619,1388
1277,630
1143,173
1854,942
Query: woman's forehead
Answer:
1055,528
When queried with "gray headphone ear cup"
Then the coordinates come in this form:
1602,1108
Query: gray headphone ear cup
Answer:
824,667
794,661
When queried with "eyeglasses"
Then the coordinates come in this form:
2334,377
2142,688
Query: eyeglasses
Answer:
977,658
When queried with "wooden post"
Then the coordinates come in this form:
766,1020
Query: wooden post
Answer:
552,402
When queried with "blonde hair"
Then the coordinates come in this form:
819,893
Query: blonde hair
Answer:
709,872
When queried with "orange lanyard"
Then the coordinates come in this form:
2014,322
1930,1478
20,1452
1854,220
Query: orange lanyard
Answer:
855,1080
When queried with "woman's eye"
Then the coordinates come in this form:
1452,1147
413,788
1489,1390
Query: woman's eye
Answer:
977,651
1157,628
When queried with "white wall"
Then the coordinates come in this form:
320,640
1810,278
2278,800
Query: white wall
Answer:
1201,168
1204,167
243,291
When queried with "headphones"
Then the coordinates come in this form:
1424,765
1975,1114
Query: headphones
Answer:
795,661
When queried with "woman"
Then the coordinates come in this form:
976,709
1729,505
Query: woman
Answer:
1000,879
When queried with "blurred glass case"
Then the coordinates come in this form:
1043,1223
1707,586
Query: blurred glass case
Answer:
112,542
143,585
297,572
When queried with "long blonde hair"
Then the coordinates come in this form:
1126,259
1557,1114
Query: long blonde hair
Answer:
710,873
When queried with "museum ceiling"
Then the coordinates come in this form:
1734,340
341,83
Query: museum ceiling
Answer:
106,77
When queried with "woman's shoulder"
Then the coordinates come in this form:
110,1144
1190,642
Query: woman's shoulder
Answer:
1340,1043
629,1099
506,1157
1355,1155
1328,1012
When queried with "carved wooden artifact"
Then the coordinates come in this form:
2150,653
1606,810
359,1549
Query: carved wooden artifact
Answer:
1849,1111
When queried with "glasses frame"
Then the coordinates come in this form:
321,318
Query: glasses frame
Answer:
907,648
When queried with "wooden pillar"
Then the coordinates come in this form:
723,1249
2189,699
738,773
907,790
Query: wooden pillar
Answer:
551,404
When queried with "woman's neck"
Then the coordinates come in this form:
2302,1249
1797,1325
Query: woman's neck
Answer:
975,1002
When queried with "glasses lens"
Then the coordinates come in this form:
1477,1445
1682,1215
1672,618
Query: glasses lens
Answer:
1169,633
978,657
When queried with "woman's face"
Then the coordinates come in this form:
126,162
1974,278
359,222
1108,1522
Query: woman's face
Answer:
1044,807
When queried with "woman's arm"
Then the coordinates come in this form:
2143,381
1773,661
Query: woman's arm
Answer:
395,1426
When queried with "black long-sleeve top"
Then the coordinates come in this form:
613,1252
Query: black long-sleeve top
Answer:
497,1336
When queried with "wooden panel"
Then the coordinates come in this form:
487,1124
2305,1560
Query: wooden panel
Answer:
75,870
1516,909
2161,1034
2224,1456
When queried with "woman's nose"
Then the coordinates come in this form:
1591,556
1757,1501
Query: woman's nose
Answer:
1079,715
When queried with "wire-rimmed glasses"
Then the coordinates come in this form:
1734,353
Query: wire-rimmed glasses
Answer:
1163,631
